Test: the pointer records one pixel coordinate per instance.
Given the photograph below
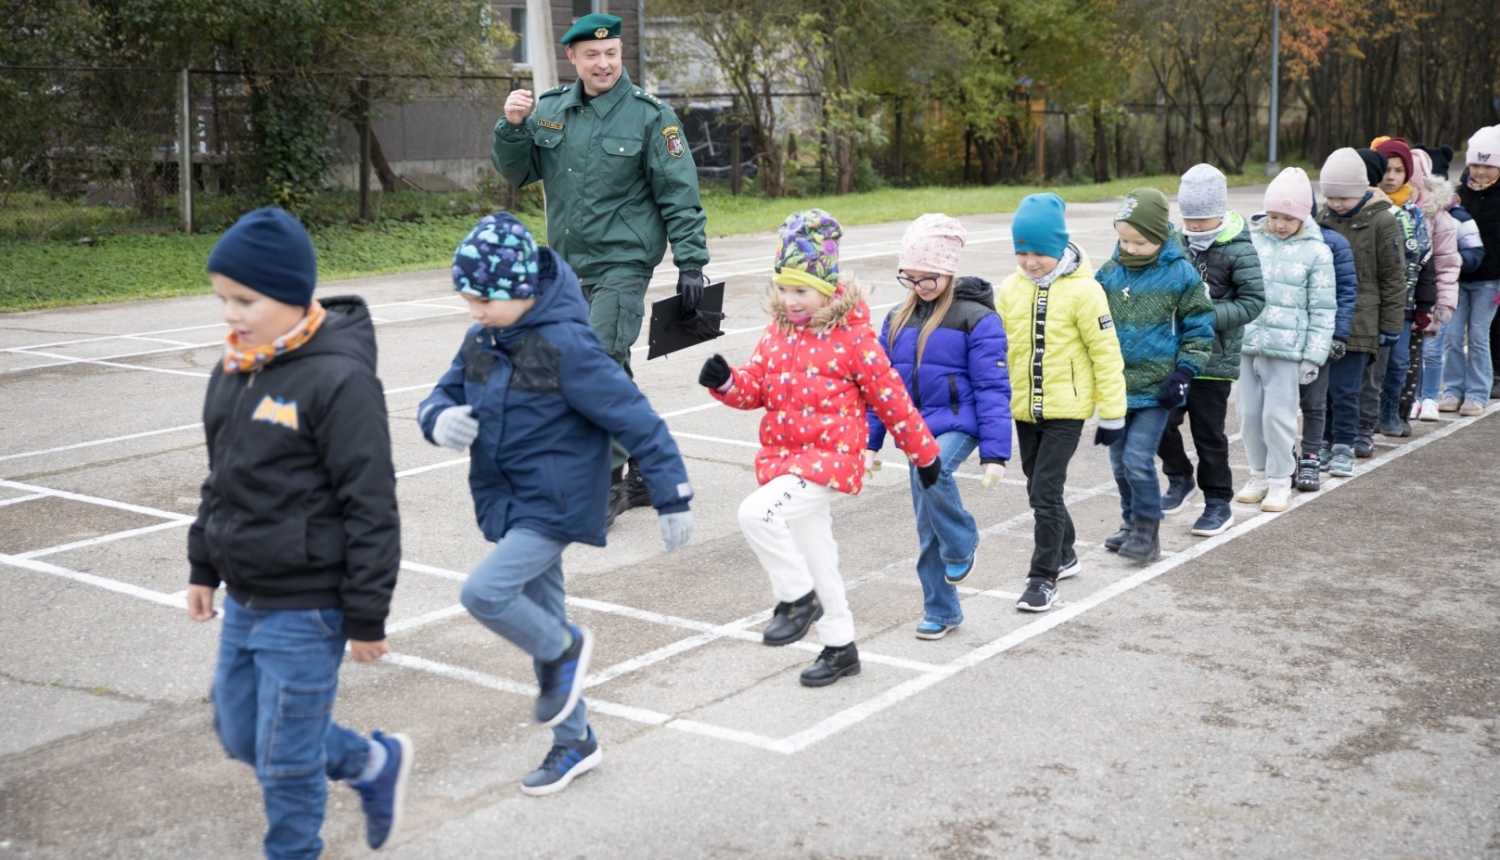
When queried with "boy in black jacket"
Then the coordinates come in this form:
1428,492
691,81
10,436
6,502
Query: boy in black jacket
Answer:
298,522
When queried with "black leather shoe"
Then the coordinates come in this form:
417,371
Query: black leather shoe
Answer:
635,485
619,502
790,621
1113,542
831,665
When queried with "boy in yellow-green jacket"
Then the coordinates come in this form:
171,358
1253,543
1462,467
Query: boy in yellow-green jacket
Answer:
1064,362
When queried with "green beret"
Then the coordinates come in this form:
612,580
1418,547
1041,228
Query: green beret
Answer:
595,26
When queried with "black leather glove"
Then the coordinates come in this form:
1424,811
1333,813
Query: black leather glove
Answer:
715,372
701,324
1107,436
1174,388
690,287
1337,350
927,475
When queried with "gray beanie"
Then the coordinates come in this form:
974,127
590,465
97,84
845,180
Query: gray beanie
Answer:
1203,193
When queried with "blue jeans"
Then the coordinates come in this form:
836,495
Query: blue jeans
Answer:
946,531
1431,387
1133,460
1468,374
1396,367
273,695
517,591
1345,379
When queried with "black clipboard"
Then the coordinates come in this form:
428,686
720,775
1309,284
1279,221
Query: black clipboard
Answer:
667,334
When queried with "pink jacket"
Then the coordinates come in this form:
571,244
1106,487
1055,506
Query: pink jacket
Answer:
1437,198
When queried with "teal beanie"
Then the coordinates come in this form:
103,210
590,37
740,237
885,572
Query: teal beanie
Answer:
1039,227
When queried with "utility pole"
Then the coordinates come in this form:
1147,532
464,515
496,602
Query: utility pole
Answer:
364,150
540,40
185,150
1273,166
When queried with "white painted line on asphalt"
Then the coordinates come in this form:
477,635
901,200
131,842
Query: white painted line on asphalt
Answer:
96,581
1060,615
111,440
107,538
19,499
95,500
423,620
67,360
740,443
406,473
725,734
699,408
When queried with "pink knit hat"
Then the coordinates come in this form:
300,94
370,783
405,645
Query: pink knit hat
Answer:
932,244
1484,147
1421,168
1343,175
1290,193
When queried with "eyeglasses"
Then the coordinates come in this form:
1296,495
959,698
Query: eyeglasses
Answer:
915,284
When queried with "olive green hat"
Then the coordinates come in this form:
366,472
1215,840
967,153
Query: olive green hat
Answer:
595,26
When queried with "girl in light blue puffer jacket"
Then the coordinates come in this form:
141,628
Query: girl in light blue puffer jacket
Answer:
1288,343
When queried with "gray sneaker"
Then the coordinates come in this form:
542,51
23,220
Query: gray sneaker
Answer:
1341,465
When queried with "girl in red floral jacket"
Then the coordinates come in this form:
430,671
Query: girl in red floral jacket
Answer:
816,370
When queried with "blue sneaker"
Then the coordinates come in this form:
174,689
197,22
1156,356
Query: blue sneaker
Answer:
1217,518
955,573
382,797
933,630
562,763
562,679
1179,492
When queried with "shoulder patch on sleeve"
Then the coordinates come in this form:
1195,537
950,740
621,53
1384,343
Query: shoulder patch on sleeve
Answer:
675,146
1106,323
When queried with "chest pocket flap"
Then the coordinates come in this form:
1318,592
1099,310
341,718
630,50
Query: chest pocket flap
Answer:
626,147
547,138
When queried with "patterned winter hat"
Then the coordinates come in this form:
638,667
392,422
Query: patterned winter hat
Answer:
1146,210
1204,193
497,260
932,244
809,252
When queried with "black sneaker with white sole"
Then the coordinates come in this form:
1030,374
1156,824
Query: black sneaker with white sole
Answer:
1070,568
1039,596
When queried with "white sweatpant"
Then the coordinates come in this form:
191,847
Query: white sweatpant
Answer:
1268,402
789,525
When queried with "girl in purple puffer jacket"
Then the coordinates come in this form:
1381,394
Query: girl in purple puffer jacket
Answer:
947,343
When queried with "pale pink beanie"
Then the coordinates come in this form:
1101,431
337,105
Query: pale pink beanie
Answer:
1421,168
932,244
1484,147
1290,193
1344,175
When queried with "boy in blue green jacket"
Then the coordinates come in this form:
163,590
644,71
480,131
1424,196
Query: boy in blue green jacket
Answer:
1165,323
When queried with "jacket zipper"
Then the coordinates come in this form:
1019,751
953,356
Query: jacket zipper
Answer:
1073,372
953,395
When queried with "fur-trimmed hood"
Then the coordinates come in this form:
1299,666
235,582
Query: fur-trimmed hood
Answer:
1437,194
848,308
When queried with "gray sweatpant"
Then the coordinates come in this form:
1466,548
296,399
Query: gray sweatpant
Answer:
1267,403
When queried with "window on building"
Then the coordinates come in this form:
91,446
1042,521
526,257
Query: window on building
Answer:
518,51
584,7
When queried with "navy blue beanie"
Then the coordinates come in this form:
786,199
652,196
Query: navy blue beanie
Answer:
269,252
1039,227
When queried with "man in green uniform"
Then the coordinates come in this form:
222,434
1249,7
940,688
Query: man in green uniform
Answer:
620,183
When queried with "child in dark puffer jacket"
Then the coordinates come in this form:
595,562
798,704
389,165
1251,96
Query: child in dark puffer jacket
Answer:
947,343
1317,451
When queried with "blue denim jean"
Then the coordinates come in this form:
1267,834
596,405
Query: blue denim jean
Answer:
1345,379
517,591
1397,366
1431,387
945,530
1133,460
273,695
1467,373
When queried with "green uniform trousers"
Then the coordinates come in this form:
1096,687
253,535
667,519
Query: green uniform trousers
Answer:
617,304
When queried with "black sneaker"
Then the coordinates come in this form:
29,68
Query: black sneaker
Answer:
1180,490
790,621
561,680
1307,474
637,495
562,764
619,502
1039,596
831,665
1070,568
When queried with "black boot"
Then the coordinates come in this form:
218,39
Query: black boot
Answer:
831,665
1113,542
1144,543
635,485
790,621
619,497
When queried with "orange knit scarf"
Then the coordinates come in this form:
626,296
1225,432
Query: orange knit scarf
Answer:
242,359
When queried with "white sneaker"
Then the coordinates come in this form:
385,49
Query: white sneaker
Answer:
1278,497
1255,489
1416,411
1429,410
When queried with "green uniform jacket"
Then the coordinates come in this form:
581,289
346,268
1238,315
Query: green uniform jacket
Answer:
620,181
